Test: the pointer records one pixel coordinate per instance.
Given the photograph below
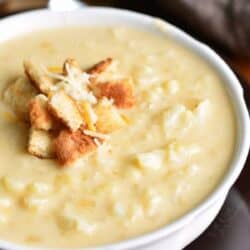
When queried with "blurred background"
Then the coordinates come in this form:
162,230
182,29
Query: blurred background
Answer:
225,26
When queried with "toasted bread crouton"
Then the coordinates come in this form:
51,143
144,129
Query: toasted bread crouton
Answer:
71,145
42,82
40,117
121,92
109,119
41,144
18,96
63,107
71,66
99,68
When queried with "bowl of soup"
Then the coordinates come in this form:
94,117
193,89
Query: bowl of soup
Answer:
118,131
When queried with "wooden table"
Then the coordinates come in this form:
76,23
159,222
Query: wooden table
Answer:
231,229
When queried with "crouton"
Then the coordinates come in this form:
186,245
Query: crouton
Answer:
41,144
71,145
63,107
121,92
18,96
38,78
99,68
40,116
71,66
109,119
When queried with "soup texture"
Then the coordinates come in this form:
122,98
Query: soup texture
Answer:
176,146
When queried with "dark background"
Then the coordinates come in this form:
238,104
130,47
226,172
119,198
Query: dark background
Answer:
231,229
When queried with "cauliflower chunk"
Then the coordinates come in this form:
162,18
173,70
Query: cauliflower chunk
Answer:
71,220
151,201
179,153
202,110
5,202
153,160
177,119
118,209
13,186
39,188
172,87
18,96
34,202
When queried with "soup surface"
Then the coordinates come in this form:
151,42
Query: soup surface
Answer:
175,149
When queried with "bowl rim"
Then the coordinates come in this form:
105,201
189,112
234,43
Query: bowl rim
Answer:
236,96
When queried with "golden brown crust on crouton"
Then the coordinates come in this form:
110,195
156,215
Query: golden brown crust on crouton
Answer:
71,145
42,82
109,119
120,91
41,144
72,65
40,117
100,67
65,109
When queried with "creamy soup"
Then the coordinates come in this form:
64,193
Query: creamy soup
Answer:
175,149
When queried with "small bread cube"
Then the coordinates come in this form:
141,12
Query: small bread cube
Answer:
40,144
109,119
100,67
121,92
71,145
18,96
40,116
71,66
42,82
64,108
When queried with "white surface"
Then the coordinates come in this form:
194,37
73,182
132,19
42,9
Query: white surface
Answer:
189,232
184,230
65,5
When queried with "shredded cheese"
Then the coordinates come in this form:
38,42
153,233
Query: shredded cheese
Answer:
98,144
89,115
75,85
96,134
55,69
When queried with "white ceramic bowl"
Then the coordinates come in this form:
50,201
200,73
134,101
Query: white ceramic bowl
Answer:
178,234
